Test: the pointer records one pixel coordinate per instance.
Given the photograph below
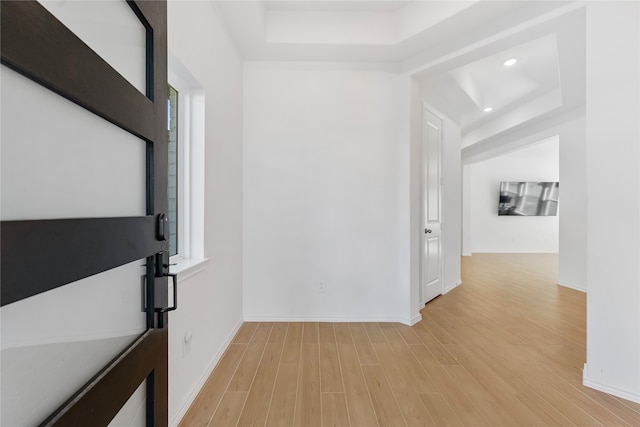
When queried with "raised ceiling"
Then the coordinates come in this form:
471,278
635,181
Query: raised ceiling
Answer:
489,83
364,5
454,48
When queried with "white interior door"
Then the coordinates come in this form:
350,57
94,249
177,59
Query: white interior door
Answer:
431,274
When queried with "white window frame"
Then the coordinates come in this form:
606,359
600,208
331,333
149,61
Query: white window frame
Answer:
190,258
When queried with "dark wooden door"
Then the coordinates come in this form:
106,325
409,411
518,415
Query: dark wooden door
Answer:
39,255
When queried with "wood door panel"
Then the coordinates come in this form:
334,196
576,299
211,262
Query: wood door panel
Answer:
50,54
108,391
63,251
44,254
38,46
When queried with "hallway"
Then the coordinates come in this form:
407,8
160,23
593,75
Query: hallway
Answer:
505,348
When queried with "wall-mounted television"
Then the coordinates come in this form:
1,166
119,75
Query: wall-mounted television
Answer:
529,198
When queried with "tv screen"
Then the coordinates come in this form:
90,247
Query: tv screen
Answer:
529,198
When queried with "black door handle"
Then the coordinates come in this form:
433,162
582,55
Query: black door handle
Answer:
162,270
174,278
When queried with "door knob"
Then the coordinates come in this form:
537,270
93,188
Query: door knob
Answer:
427,230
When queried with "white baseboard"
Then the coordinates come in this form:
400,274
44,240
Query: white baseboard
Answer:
184,407
466,254
633,396
573,286
452,286
414,320
403,320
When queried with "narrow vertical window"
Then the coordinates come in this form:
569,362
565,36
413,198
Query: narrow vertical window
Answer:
172,187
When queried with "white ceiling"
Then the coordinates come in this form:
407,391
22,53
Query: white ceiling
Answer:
489,83
454,48
363,5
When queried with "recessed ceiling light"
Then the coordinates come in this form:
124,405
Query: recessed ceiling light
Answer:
509,62
488,109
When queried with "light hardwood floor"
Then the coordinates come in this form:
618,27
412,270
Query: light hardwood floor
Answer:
504,349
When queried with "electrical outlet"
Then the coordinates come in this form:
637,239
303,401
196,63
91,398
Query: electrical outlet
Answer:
321,286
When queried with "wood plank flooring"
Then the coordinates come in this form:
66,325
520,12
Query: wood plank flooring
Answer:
504,349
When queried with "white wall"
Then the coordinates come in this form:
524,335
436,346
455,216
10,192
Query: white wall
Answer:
466,209
572,258
613,182
499,234
451,203
415,196
210,302
326,193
